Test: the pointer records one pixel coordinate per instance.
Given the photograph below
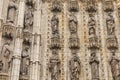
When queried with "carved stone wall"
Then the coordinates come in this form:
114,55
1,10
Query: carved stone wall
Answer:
59,40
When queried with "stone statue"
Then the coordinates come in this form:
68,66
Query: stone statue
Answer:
94,66
115,67
91,24
73,24
25,61
54,66
11,11
75,68
54,25
110,24
28,20
6,57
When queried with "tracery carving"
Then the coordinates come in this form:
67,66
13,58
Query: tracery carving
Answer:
54,65
28,19
12,7
25,60
115,67
75,68
6,57
94,62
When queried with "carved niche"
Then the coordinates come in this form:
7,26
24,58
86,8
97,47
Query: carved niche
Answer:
25,61
91,6
54,65
29,16
94,62
6,57
75,68
12,7
115,67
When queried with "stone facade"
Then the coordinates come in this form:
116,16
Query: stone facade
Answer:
59,40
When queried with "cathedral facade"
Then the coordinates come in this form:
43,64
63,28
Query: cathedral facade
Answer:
59,40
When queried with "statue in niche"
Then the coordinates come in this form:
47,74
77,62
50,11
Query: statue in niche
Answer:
54,65
115,67
91,24
25,61
73,24
11,11
54,25
110,24
6,57
94,66
75,68
28,20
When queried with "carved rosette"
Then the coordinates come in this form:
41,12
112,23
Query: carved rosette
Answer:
8,31
56,6
112,43
73,6
93,42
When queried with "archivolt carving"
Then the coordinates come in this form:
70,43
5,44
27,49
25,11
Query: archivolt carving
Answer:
115,67
75,68
6,57
28,20
12,11
25,59
54,65
94,62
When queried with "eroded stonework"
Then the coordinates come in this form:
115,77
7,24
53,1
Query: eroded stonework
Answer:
59,40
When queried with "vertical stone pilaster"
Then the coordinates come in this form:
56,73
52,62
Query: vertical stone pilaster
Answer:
18,43
36,52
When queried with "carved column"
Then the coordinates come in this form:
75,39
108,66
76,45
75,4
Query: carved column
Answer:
18,43
112,42
36,43
74,62
93,39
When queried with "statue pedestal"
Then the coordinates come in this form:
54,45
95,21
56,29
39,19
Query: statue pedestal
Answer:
23,77
3,76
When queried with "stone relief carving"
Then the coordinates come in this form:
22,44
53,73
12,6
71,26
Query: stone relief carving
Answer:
54,65
73,24
94,62
28,20
115,67
91,24
73,6
25,58
12,11
6,57
110,24
54,25
56,6
75,68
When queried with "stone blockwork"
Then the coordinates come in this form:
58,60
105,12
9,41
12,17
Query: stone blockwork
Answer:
59,40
